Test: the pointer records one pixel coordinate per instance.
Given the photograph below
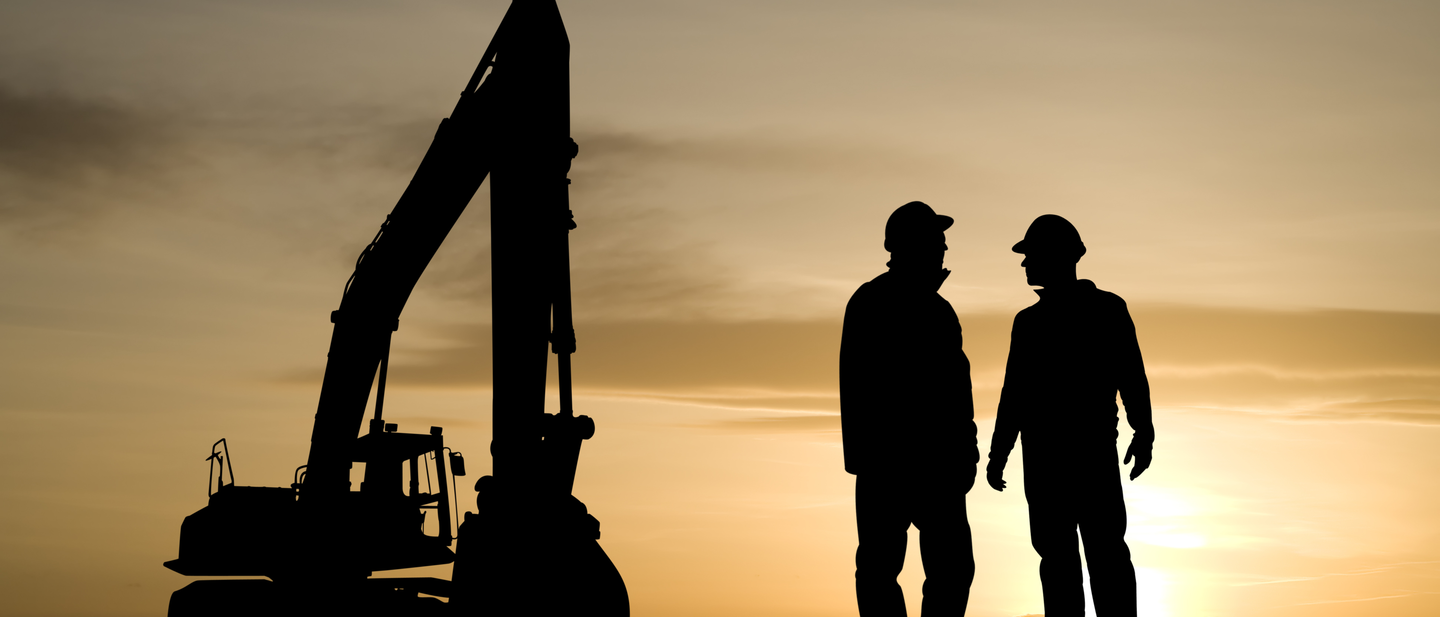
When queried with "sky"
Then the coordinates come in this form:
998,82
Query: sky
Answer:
185,186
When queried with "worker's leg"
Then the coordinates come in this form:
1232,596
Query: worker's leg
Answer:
1052,532
1102,528
882,520
945,549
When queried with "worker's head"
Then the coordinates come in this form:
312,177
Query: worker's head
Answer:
1051,248
915,236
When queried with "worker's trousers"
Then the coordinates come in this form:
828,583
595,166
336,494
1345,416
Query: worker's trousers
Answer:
1079,487
885,507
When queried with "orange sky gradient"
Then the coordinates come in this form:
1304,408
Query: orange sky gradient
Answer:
184,188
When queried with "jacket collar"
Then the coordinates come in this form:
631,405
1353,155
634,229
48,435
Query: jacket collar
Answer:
924,280
1065,292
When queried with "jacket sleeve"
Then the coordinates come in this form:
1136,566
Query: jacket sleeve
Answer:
859,395
966,432
1009,417
1133,385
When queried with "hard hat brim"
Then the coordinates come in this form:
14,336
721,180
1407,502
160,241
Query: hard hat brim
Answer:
1022,248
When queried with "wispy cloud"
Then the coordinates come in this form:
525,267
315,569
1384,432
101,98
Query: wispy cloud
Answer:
808,423
69,163
60,157
703,360
627,261
1368,368
609,151
1370,599
1367,571
300,180
637,254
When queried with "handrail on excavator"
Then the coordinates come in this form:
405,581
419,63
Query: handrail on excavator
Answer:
221,451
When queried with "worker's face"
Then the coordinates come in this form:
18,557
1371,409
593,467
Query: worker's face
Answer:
932,255
1043,270
936,253
923,255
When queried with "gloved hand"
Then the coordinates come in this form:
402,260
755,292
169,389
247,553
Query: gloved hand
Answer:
1140,450
994,474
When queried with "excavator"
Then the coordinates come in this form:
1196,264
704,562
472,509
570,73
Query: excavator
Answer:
315,546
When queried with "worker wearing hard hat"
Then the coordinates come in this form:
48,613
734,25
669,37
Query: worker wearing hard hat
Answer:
908,422
1070,353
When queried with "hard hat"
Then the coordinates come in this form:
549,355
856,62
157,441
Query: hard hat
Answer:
1051,234
915,224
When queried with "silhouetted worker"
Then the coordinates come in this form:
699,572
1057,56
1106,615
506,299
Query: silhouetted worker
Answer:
908,422
1069,354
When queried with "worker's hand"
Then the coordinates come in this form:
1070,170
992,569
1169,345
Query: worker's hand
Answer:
968,481
994,474
1141,453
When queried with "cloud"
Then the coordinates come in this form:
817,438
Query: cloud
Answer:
637,253
1366,571
742,362
664,314
325,177
1402,411
659,231
1370,599
627,261
60,155
68,163
315,183
1321,343
817,423
49,135
1305,365
603,152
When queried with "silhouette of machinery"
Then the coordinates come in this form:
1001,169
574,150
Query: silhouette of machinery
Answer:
532,546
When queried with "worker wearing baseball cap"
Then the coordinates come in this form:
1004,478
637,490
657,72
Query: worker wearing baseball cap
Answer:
908,422
1070,353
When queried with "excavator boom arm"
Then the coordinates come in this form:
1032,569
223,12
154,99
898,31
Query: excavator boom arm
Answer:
452,170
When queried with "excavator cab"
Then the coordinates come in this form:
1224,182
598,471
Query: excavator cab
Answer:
405,481
262,531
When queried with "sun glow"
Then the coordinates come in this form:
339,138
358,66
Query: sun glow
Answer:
1152,595
1162,517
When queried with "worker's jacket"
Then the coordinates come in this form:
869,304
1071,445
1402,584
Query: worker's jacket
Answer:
1070,353
905,401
